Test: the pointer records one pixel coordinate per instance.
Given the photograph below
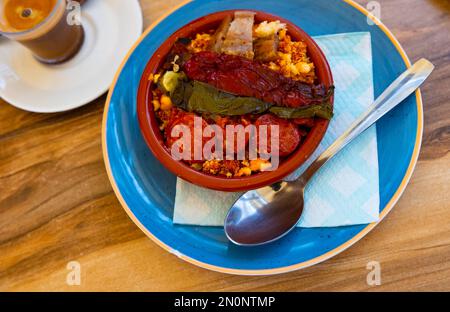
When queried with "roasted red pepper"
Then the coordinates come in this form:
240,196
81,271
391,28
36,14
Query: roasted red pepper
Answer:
241,76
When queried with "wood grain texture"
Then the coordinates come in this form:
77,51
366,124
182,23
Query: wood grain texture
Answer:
56,203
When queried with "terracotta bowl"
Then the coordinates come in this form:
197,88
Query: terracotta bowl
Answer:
154,139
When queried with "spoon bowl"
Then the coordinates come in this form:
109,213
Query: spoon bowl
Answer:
250,222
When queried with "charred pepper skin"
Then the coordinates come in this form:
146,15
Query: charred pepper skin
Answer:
244,77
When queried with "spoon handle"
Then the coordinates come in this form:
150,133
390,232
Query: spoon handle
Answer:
399,90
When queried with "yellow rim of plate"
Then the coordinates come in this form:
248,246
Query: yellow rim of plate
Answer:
297,266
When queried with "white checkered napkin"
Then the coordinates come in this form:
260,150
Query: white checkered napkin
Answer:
345,191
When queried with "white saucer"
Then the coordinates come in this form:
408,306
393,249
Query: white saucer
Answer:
111,27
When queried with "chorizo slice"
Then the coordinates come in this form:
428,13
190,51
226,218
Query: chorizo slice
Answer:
288,134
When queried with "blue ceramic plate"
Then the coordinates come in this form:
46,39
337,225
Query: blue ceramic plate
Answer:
147,190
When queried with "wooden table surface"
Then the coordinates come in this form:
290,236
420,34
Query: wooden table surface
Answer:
56,203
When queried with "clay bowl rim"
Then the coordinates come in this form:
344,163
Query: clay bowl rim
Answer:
150,128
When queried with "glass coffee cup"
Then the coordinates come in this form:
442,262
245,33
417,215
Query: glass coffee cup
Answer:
45,27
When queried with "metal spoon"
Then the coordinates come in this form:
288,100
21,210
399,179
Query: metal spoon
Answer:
264,215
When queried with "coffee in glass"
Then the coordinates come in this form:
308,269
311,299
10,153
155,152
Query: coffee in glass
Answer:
43,26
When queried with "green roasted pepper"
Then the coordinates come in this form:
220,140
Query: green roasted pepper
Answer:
199,97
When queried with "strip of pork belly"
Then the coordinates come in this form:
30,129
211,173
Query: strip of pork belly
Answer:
239,38
220,35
